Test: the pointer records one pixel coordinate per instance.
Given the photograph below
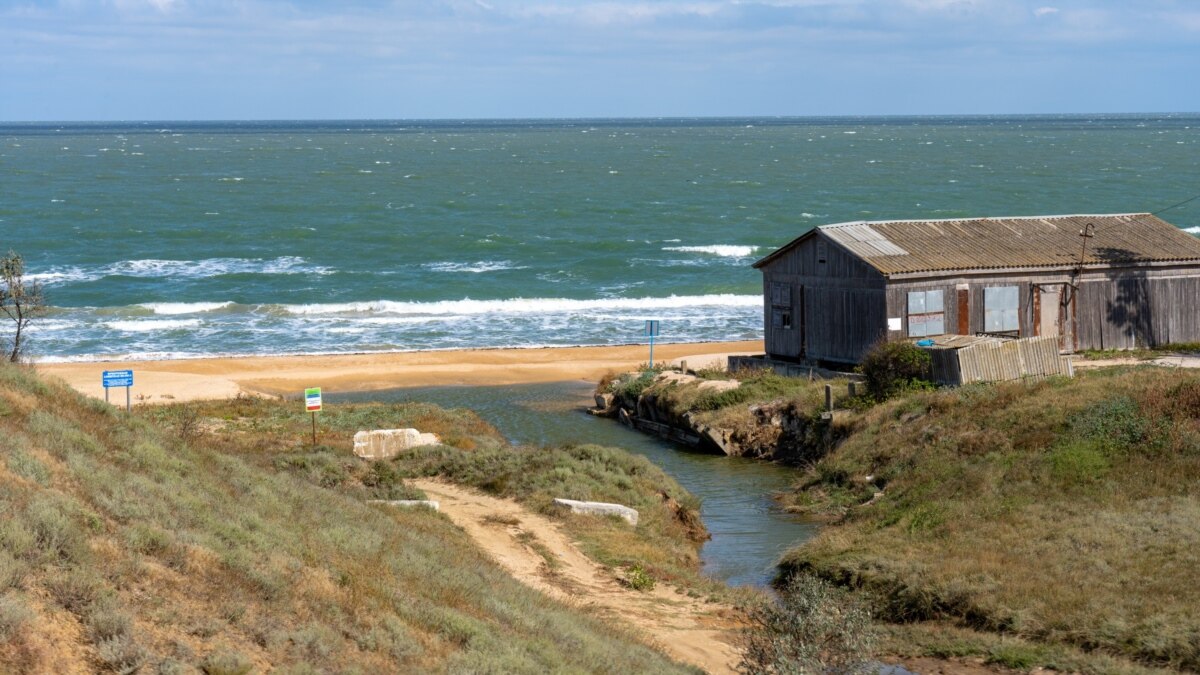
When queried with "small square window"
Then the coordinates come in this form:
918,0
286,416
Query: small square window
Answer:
781,319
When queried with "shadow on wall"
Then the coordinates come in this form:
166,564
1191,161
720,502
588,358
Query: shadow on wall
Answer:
1130,310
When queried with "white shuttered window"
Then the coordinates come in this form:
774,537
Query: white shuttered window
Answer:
926,313
1001,307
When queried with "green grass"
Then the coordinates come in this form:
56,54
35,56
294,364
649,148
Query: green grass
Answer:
1061,514
174,546
1142,354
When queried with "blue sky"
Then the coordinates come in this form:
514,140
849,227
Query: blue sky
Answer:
272,59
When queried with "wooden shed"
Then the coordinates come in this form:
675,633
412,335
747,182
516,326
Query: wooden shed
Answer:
1093,281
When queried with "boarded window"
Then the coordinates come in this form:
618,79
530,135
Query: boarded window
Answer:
822,252
781,319
926,313
1001,306
781,294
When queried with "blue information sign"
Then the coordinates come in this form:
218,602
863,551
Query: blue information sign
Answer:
118,378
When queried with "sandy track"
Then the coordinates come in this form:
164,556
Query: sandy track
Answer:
689,630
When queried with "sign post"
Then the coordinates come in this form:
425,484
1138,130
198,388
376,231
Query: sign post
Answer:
312,403
118,378
652,332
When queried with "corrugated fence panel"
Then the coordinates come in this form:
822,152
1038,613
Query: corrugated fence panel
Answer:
1012,360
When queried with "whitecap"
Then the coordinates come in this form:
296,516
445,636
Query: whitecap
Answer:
468,306
473,268
61,275
1192,230
722,250
174,308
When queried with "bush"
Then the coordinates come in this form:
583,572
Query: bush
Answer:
815,627
1116,424
14,615
638,578
225,662
891,368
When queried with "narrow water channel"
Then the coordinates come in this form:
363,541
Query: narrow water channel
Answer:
748,533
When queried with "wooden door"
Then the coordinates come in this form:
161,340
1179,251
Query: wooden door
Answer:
964,311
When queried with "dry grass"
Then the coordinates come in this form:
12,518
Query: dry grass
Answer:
136,543
1062,513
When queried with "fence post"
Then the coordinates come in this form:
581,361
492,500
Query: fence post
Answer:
829,397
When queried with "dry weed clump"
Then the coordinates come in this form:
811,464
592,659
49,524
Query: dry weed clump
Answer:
1065,513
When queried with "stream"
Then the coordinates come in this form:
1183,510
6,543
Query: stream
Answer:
748,532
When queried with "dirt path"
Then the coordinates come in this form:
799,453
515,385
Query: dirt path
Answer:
687,629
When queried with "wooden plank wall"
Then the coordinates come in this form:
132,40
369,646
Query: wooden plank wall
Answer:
843,304
1138,311
999,361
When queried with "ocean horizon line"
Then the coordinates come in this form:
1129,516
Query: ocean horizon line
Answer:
667,119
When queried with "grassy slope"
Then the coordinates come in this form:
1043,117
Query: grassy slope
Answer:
665,543
127,541
1062,514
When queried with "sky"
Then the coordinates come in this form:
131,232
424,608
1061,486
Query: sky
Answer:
106,60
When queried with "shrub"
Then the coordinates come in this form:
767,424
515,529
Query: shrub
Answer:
76,590
1116,424
814,627
225,662
891,368
121,654
638,578
629,387
14,614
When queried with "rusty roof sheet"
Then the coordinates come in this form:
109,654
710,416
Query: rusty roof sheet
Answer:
913,246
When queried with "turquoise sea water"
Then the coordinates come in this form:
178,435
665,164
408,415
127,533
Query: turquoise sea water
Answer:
181,239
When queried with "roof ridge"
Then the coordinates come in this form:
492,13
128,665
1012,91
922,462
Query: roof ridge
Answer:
852,223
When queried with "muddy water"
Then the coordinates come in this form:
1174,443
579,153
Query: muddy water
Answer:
748,533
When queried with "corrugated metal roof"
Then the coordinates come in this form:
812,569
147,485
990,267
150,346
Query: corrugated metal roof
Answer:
908,246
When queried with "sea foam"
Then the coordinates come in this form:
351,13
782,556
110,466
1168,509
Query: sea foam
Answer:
723,250
468,306
152,268
473,268
174,308
153,325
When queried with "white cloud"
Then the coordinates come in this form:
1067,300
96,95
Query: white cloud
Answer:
163,6
605,13
1045,11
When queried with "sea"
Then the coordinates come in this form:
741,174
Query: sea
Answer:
189,239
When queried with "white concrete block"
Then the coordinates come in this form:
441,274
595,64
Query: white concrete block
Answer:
600,509
387,443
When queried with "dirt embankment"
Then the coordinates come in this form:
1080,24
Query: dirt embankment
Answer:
536,552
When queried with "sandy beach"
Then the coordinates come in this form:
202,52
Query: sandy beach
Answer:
195,379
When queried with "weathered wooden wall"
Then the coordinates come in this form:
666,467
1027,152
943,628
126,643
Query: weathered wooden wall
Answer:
1134,310
838,306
